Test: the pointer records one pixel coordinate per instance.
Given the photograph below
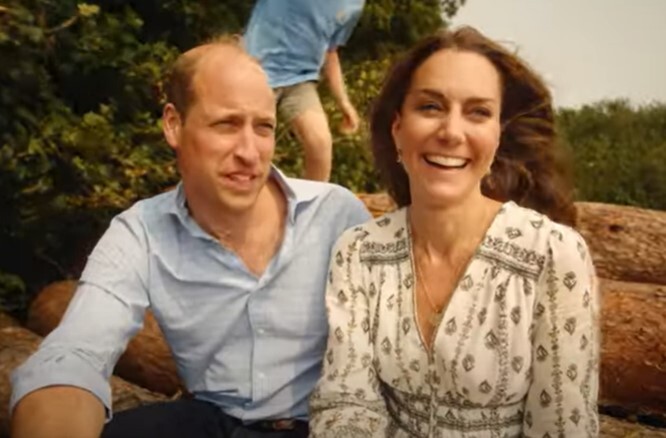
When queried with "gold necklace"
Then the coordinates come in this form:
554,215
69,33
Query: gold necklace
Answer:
435,317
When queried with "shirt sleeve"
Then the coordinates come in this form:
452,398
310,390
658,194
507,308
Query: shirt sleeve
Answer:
105,312
562,398
344,31
347,401
358,213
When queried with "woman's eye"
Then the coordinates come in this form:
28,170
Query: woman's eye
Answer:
429,107
481,112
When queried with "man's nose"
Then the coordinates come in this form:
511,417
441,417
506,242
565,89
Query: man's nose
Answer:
246,146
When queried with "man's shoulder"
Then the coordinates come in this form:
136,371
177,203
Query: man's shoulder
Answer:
322,191
151,209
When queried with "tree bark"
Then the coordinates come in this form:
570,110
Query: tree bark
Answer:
626,243
377,203
147,361
616,428
7,321
17,344
633,354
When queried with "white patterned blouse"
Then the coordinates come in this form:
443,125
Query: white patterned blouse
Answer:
516,353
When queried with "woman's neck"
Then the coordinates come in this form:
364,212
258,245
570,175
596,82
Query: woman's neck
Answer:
449,233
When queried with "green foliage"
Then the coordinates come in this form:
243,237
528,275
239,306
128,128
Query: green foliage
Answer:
352,160
80,103
392,25
80,137
619,152
386,28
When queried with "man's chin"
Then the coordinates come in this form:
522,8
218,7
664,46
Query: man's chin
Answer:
238,201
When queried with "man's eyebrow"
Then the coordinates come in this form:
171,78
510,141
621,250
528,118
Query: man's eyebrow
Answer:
266,118
233,113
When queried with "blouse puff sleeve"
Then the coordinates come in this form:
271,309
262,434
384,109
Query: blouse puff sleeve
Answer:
562,398
347,401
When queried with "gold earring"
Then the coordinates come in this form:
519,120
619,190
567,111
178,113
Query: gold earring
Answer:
488,177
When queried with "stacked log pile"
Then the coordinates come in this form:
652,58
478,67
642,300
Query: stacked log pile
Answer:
627,245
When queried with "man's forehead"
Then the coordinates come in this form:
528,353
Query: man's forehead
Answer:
220,55
222,65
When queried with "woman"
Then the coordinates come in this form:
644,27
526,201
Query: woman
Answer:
470,311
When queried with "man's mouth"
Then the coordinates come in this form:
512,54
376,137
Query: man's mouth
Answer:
446,162
240,177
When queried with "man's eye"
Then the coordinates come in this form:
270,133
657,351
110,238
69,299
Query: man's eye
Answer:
266,128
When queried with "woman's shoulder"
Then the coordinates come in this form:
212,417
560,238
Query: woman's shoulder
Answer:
518,221
531,231
378,238
540,227
523,238
386,227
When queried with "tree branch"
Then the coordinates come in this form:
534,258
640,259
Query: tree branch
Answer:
64,25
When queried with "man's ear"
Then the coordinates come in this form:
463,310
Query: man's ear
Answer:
171,125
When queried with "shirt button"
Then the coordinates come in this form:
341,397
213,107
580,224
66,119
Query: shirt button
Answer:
262,376
260,331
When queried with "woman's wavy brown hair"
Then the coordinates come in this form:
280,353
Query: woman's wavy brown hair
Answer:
529,166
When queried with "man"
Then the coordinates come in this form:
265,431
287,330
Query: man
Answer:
232,263
294,40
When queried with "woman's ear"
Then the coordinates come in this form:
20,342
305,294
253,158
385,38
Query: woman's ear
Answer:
171,125
395,125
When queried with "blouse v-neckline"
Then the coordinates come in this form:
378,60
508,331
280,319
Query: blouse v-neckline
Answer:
429,347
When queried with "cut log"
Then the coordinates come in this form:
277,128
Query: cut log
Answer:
17,343
377,203
147,361
615,428
626,243
7,321
633,354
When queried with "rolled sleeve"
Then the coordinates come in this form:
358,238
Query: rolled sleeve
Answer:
105,312
51,367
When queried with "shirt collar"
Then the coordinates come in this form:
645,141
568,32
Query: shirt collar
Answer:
294,190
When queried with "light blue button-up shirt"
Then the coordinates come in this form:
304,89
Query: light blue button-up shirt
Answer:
252,345
291,37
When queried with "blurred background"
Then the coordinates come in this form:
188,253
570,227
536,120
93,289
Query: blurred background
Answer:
80,101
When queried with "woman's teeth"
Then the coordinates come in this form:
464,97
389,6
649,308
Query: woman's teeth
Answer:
444,161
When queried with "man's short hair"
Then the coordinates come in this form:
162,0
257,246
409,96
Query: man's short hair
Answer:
178,82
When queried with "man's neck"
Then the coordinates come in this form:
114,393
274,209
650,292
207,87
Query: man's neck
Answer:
253,235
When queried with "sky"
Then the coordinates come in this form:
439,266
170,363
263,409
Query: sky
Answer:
586,50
